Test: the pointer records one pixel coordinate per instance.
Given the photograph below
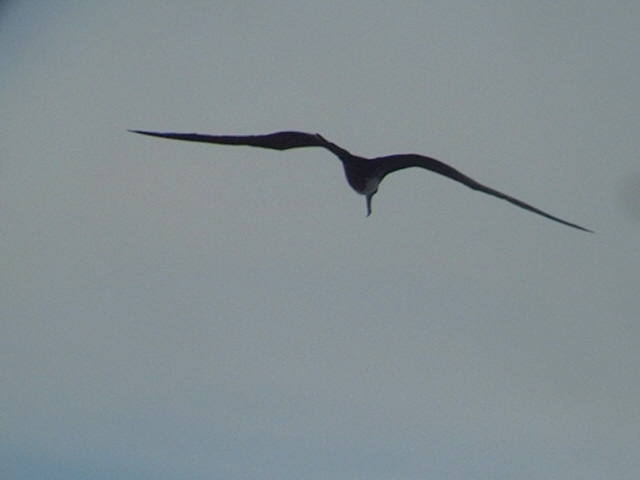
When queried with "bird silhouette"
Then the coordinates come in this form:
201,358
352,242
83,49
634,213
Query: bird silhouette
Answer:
363,174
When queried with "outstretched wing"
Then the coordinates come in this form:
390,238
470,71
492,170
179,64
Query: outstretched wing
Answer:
392,163
275,141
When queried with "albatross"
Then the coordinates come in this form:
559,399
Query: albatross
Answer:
363,174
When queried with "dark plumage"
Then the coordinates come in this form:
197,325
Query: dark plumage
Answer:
363,174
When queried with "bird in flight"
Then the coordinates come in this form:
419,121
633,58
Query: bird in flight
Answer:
363,174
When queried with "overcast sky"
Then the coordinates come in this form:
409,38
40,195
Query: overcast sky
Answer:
179,310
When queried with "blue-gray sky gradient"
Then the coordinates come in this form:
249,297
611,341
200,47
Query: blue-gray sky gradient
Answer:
175,310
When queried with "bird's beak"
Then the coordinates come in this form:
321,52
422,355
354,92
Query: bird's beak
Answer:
369,197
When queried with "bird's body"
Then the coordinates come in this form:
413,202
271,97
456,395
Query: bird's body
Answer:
363,174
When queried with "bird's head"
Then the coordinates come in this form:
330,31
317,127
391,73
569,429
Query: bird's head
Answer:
369,196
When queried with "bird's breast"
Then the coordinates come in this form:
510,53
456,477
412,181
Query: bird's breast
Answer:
361,176
364,185
371,185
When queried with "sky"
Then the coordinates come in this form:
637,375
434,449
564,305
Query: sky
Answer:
180,310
